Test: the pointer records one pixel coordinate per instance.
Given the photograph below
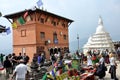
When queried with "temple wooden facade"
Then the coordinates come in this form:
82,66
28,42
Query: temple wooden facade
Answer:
39,31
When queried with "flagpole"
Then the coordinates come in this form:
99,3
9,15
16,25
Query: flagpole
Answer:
78,41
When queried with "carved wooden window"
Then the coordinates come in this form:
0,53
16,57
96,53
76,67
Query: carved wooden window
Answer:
42,35
23,33
54,23
55,39
63,25
42,20
65,37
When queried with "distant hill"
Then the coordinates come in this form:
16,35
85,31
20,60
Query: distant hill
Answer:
74,44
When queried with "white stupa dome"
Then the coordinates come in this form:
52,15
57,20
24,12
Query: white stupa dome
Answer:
100,28
89,40
100,40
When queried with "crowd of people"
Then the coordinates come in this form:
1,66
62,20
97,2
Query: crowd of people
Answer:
99,60
11,61
16,65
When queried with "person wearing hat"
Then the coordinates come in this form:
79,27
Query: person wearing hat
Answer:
20,71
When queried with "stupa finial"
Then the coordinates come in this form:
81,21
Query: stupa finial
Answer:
100,22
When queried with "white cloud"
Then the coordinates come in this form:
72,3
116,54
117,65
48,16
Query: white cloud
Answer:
84,12
10,6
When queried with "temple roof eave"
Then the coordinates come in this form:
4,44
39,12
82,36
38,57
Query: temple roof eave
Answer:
11,16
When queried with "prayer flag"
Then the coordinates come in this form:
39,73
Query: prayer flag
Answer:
39,3
53,73
8,31
14,25
25,14
21,20
44,77
54,69
28,18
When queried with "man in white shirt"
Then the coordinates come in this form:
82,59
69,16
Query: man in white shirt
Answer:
20,71
113,66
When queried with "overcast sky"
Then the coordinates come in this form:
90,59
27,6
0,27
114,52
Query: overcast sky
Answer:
85,14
